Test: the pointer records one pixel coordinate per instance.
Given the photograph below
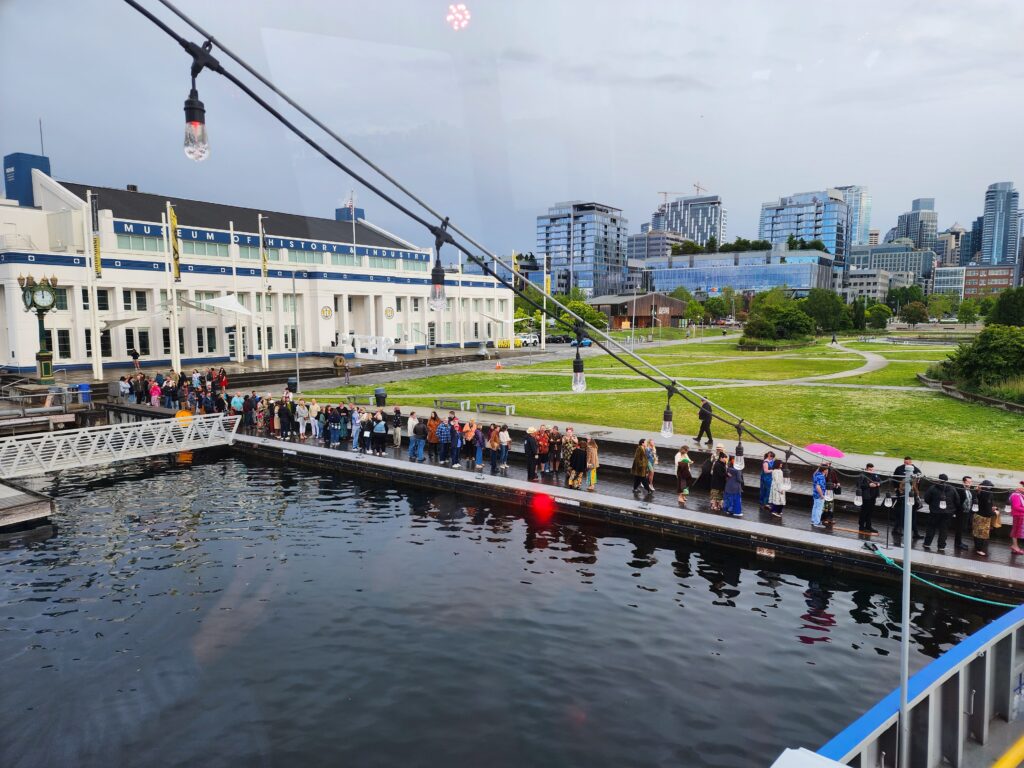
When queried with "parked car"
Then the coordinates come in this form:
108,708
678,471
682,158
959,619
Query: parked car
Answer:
559,339
529,339
584,343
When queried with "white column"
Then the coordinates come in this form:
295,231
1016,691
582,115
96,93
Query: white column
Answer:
371,314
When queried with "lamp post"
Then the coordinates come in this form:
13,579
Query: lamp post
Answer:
41,297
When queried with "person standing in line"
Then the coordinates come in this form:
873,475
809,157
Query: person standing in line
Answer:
314,418
532,452
443,432
733,490
683,477
981,521
396,427
868,485
410,424
941,500
967,498
592,462
432,424
479,443
456,439
505,441
380,433
577,467
902,473
777,495
639,470
355,422
767,465
555,439
284,416
123,389
493,447
1017,510
652,461
543,448
833,489
704,415
818,483
717,476
302,418
335,418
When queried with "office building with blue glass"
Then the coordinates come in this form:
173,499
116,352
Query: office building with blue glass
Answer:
920,224
822,215
999,236
697,218
586,243
858,203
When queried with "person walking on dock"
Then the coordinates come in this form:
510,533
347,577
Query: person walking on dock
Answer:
639,470
818,483
532,452
683,477
705,414
941,500
967,497
868,485
777,495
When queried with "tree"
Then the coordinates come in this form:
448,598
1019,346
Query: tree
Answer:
776,297
715,306
711,246
859,316
1007,309
694,312
940,305
584,310
995,354
826,308
759,327
687,248
814,245
897,297
968,312
878,316
792,243
985,305
913,313
682,294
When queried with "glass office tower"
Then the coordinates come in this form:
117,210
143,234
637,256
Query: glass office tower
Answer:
858,202
586,243
809,216
999,225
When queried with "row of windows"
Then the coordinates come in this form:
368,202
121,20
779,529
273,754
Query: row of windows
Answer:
139,339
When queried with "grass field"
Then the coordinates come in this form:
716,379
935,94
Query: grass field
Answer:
924,424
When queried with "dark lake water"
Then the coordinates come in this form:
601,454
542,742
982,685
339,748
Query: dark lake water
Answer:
236,613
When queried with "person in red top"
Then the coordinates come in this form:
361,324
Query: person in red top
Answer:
543,446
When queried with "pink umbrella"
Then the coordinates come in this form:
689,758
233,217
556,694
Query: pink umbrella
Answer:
824,450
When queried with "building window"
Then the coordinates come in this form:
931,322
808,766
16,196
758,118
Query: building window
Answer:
62,298
88,343
127,294
129,340
48,336
143,334
139,243
167,341
64,343
398,304
200,340
211,340
305,257
102,301
289,302
106,349
204,248
264,298
345,260
415,305
252,252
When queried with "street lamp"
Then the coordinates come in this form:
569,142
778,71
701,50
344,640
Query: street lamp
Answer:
579,379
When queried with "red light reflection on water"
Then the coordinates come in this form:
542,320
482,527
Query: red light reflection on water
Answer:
542,507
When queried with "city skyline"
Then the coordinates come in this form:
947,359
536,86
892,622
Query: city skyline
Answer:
495,123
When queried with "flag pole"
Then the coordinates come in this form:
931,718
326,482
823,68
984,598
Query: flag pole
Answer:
172,276
264,356
91,242
233,250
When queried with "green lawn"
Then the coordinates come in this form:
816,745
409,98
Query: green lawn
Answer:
898,374
771,369
470,383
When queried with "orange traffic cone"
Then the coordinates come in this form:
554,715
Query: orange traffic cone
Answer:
497,365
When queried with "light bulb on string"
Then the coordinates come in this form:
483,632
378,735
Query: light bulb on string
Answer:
739,461
579,379
197,143
437,300
667,428
458,16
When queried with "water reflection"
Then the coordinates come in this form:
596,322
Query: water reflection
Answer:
234,612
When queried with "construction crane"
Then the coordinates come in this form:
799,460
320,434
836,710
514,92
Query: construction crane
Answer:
699,188
664,198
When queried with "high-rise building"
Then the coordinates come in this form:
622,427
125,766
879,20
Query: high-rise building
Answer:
947,246
873,237
858,202
897,256
920,223
999,226
809,216
652,244
586,242
970,244
697,218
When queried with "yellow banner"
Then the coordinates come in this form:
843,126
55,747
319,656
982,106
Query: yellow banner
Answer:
172,218
547,283
97,264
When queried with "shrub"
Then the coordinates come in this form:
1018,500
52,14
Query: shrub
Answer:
997,354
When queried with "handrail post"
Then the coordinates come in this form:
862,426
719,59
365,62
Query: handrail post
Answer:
908,530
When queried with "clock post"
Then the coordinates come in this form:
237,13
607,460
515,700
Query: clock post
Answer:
40,297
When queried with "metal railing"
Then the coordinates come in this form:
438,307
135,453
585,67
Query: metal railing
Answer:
37,454
56,400
955,704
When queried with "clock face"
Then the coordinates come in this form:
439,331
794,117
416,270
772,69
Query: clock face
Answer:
43,297
26,296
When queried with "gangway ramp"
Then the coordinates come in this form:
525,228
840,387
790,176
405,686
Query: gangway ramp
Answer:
37,454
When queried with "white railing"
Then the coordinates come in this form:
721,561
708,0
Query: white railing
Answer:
37,454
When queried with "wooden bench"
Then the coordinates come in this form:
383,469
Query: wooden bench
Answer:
506,408
358,399
451,403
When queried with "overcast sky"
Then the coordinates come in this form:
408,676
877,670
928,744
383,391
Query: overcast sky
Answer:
537,102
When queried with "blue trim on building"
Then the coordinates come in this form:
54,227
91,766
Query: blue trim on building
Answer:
58,260
862,728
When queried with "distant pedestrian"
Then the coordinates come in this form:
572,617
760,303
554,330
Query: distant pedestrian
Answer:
134,353
639,470
704,415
